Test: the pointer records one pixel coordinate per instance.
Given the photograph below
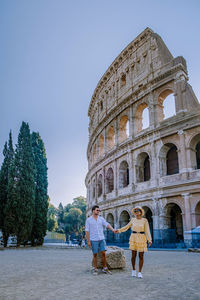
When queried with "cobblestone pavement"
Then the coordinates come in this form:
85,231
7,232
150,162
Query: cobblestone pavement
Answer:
51,273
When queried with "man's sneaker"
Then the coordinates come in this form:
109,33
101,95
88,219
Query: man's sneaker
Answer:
95,272
133,273
139,275
106,271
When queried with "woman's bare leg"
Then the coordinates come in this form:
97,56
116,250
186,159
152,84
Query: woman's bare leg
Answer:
141,260
133,258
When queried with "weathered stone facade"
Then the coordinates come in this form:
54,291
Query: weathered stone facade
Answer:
157,167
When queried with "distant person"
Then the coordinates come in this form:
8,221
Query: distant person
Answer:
95,237
83,242
138,239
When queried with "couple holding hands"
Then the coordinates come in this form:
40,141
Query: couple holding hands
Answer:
137,242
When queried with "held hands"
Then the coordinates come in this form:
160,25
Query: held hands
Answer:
115,231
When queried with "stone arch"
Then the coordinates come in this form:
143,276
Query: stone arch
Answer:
123,128
109,181
110,219
124,218
143,172
197,214
166,104
100,185
111,137
174,221
123,174
148,213
101,145
139,117
194,146
168,159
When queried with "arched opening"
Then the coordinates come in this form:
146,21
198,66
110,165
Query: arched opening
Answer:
197,214
194,147
100,185
174,222
148,216
109,181
110,236
143,172
141,117
145,118
198,155
111,137
101,145
123,128
110,219
168,159
123,174
166,108
172,161
124,218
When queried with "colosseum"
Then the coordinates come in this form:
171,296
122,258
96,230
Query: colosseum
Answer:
144,141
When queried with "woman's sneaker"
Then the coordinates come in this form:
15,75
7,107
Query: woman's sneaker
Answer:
133,273
95,272
139,275
106,271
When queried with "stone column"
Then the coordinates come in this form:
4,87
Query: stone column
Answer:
180,89
182,154
105,140
116,132
187,221
131,122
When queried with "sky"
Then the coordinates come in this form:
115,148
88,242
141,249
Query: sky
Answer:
52,55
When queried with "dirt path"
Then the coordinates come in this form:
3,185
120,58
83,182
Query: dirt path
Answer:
66,274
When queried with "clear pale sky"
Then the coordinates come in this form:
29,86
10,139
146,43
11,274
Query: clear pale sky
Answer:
52,55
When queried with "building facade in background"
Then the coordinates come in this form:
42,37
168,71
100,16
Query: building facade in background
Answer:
144,140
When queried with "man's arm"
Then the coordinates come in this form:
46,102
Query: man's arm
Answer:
88,238
110,227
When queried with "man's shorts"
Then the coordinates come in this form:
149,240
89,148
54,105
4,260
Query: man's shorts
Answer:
98,246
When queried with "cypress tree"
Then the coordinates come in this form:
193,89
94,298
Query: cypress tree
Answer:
8,153
41,197
20,208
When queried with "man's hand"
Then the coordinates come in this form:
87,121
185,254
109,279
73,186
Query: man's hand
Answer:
89,244
116,231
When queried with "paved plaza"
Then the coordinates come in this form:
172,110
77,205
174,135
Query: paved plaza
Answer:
52,273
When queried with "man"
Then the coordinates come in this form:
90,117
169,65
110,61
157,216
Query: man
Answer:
95,237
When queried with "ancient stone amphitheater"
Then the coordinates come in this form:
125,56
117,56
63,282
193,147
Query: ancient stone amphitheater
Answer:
144,139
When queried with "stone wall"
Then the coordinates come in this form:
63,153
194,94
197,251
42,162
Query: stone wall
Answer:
156,166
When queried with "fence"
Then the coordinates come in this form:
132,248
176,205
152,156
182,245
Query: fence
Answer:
162,238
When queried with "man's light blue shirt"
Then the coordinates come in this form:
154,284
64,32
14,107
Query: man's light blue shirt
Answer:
95,228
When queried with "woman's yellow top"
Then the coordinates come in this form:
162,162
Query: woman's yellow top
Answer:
138,225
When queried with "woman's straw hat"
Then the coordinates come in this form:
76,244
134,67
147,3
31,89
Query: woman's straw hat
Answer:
138,207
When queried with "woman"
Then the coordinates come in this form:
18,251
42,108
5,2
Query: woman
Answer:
139,237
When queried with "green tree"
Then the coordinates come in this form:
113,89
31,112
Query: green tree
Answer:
72,220
8,153
60,214
41,198
52,223
20,208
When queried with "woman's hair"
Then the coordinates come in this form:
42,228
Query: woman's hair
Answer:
94,207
